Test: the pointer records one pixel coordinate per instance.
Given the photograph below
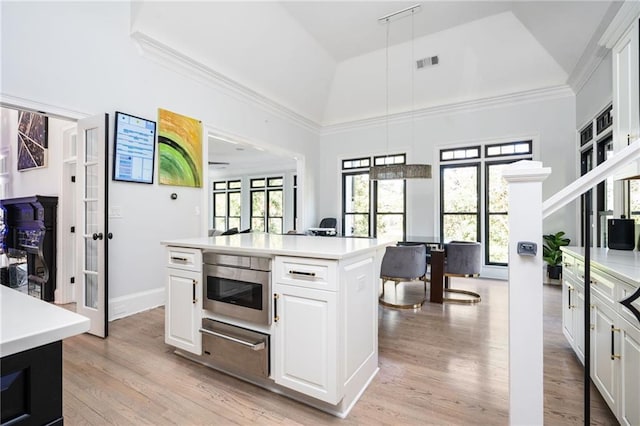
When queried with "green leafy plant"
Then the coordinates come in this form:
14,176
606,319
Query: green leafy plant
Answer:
551,252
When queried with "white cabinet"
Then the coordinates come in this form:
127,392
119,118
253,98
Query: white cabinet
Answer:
306,341
573,304
183,299
603,357
326,330
629,405
614,331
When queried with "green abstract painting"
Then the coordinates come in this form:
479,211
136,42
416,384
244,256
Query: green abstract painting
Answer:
179,149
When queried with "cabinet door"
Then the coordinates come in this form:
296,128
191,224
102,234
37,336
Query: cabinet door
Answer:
626,88
629,374
605,345
306,338
183,310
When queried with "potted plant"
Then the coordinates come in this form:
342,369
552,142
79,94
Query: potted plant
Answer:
552,254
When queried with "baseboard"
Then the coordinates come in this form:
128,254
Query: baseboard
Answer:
130,304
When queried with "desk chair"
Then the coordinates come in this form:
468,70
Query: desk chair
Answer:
404,264
462,260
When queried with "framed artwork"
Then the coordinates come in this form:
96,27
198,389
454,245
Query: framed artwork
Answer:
32,140
179,150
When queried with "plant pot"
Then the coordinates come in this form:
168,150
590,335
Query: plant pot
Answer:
554,271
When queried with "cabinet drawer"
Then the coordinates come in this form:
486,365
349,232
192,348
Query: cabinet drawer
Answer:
184,258
603,285
312,273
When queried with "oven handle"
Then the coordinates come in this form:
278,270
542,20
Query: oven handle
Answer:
254,346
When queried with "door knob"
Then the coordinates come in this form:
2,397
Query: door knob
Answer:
109,235
97,236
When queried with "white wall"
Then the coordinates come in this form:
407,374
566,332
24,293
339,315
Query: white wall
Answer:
41,181
596,93
549,118
91,65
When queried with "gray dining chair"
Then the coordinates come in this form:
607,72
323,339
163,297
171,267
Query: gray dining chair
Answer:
402,264
462,259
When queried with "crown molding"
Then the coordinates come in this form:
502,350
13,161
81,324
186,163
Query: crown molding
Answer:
535,95
628,12
171,58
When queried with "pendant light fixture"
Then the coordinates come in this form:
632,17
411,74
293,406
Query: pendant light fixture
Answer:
399,171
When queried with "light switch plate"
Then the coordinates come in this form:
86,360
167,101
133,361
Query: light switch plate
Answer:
527,248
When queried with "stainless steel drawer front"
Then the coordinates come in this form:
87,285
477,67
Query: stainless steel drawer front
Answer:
238,349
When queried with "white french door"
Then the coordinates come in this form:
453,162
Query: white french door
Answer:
92,229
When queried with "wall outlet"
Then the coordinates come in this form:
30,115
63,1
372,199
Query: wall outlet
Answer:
115,211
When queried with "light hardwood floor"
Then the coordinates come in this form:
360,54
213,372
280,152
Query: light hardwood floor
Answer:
445,364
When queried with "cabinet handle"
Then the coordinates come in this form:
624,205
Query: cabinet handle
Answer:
594,282
613,355
306,274
257,346
569,293
275,307
179,259
193,291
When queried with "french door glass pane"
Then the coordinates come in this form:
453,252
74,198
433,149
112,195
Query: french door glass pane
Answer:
390,196
257,224
234,222
460,190
356,225
91,290
91,254
91,149
275,203
91,181
91,217
497,189
356,193
220,223
219,204
234,204
257,203
275,225
390,225
460,227
498,241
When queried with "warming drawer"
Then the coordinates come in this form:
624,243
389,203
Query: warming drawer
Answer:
235,348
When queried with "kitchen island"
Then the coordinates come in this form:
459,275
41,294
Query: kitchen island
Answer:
31,333
294,314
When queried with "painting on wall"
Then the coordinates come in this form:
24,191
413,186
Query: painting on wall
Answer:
32,140
179,149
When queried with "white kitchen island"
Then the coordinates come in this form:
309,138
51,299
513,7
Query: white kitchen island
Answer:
319,343
31,333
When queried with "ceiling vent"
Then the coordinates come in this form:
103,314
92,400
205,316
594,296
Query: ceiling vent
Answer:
426,62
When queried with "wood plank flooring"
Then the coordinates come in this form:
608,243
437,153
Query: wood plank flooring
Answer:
442,365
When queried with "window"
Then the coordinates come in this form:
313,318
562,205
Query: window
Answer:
226,204
467,172
267,201
634,200
372,209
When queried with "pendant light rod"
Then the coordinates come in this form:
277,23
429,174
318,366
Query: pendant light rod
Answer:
413,9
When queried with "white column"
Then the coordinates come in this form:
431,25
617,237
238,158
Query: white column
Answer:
526,399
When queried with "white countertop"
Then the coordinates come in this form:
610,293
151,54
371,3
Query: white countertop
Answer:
27,322
623,264
258,243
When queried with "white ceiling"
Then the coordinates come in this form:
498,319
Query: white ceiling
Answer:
304,55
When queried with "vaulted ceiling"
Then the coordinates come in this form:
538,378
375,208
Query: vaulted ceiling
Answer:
325,60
